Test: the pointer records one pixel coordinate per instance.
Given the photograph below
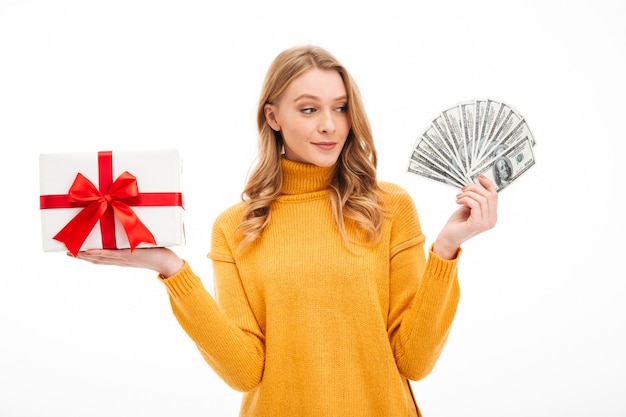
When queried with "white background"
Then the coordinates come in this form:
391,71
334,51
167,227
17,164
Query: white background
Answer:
540,327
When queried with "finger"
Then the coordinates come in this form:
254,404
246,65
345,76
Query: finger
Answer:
472,202
487,188
105,256
493,197
480,208
487,183
475,192
108,253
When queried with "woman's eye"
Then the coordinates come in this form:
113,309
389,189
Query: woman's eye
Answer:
307,110
342,109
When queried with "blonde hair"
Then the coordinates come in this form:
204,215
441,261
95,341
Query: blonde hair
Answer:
354,187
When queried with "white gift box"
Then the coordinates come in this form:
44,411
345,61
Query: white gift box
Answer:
155,178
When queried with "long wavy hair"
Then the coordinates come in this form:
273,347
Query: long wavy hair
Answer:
355,194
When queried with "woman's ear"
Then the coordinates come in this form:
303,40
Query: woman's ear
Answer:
270,116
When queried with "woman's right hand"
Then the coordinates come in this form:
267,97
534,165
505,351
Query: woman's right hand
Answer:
162,260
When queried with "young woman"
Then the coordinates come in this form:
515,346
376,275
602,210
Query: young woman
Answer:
327,304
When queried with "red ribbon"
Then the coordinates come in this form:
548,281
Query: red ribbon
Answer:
112,199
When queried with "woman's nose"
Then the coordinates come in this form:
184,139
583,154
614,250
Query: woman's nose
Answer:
326,122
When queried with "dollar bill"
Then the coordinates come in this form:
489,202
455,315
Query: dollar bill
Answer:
467,112
441,131
431,140
507,166
499,144
429,157
469,139
506,119
419,169
452,121
479,112
491,108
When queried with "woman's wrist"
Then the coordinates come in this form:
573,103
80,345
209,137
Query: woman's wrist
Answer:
171,266
444,249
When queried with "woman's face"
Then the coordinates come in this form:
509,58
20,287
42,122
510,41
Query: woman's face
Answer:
312,116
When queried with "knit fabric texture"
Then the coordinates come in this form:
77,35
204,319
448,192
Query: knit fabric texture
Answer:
306,325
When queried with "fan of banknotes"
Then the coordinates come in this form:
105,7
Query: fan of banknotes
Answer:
471,138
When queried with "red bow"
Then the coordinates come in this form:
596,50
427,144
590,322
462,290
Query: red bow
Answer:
84,193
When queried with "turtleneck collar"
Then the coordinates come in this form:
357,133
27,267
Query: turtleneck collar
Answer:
300,178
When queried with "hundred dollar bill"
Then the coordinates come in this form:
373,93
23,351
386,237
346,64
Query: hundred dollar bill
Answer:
507,118
443,148
498,119
479,111
441,130
506,167
499,145
452,120
425,172
467,111
488,115
431,157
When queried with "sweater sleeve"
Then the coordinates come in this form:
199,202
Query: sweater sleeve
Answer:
227,335
424,294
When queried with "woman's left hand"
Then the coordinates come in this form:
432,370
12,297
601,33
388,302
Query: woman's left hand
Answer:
478,213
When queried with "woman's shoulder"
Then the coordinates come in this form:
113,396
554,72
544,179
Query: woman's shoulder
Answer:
394,194
231,216
391,187
396,200
400,211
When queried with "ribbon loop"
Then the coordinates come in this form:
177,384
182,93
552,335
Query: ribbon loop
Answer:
96,203
83,190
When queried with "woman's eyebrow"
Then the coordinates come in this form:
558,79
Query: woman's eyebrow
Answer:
314,97
306,96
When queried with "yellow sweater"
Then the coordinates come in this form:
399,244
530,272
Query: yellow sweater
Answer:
304,326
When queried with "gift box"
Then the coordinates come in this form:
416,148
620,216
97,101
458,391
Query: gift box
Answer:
111,199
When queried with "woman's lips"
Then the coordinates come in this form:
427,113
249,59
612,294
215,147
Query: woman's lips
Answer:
327,146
